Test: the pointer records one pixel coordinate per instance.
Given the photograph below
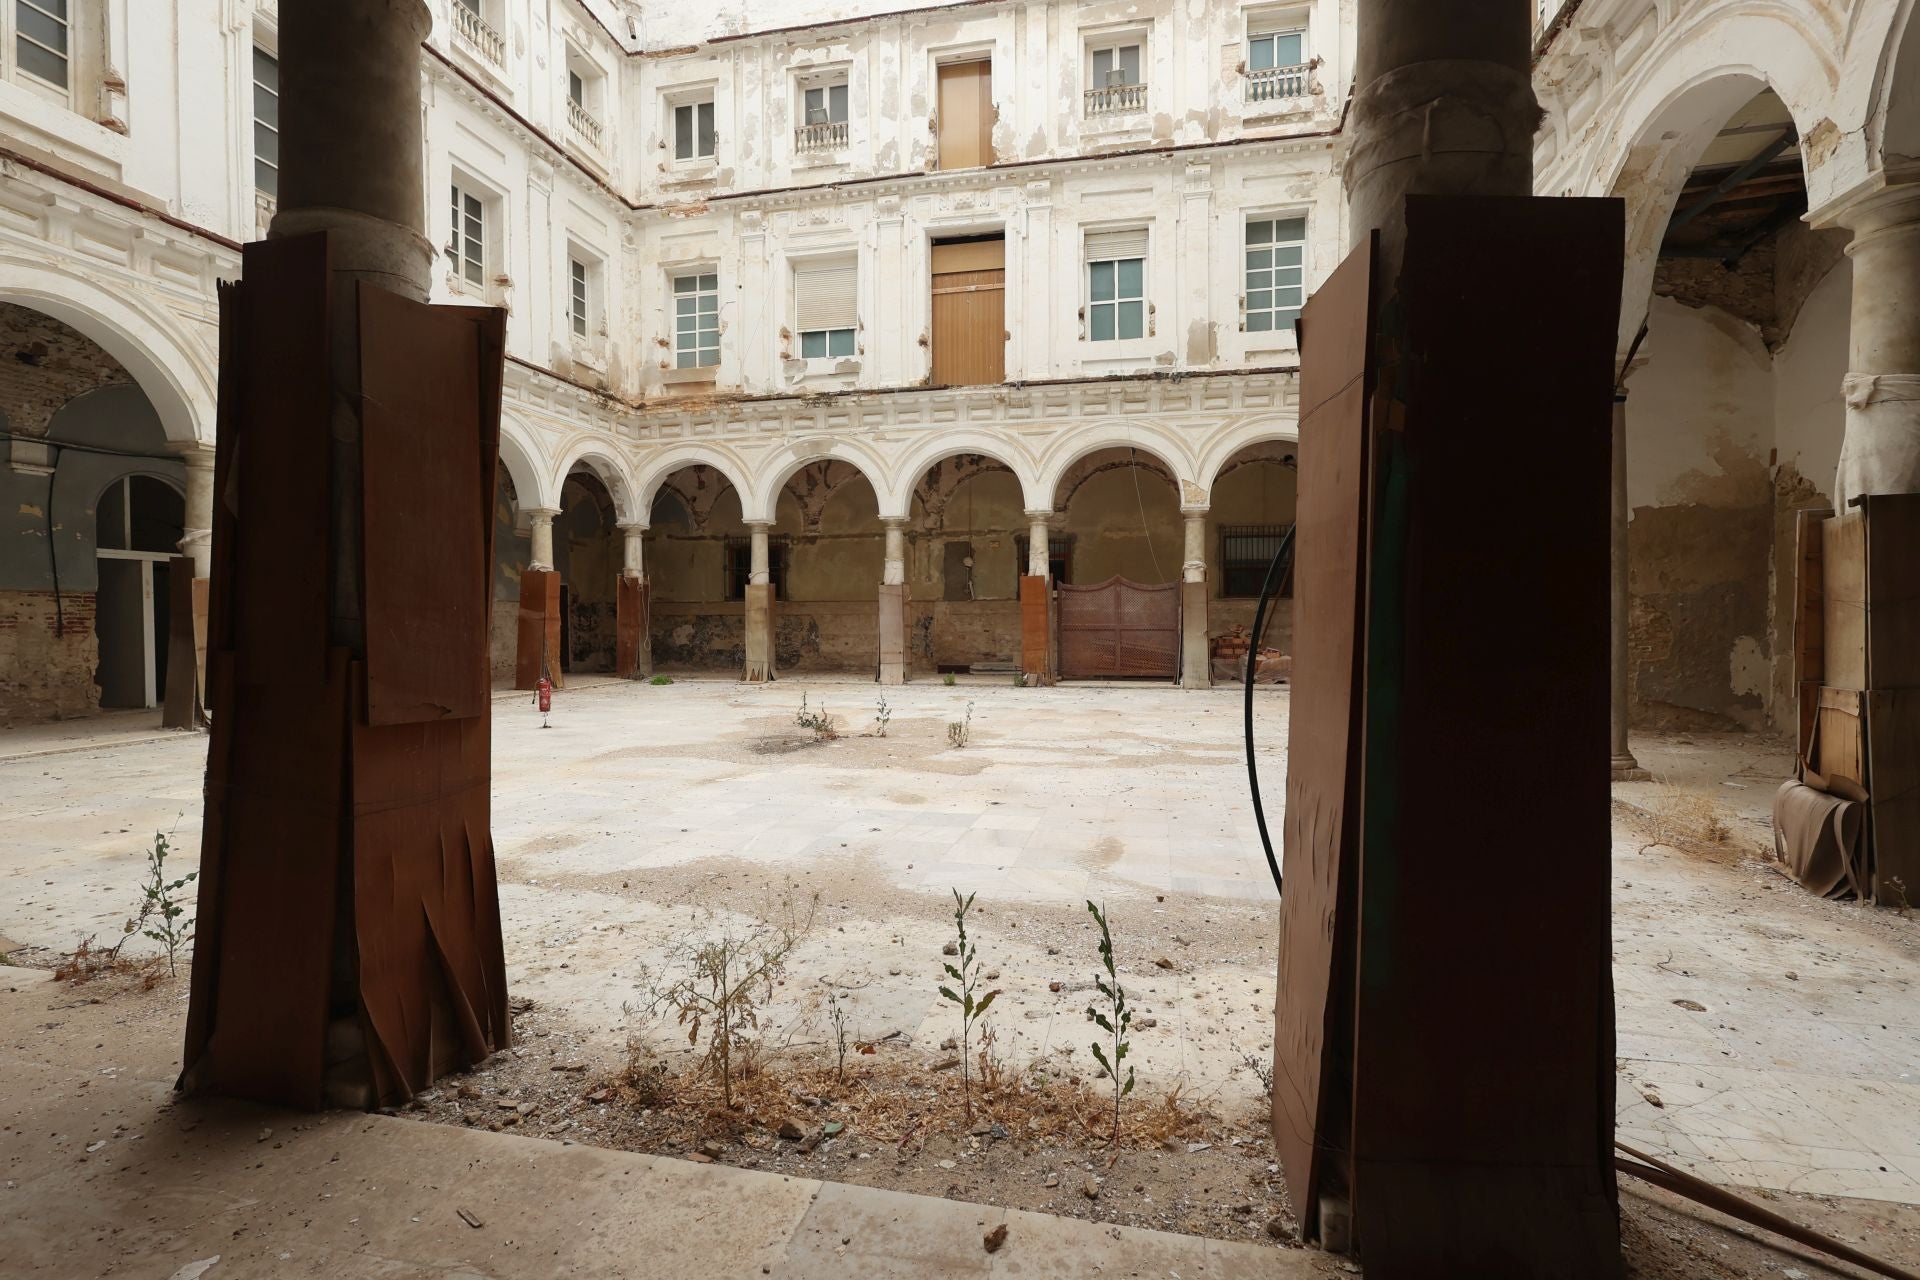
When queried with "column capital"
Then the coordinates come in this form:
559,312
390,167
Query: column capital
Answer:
633,526
1041,515
541,515
1195,511
1868,210
895,522
195,453
758,526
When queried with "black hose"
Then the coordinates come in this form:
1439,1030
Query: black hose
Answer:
1274,579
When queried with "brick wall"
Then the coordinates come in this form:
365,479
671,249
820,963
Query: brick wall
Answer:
44,364
44,676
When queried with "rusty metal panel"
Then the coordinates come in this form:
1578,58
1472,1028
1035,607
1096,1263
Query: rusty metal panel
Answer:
1119,628
1313,1035
1035,593
426,575
1490,1158
630,660
538,649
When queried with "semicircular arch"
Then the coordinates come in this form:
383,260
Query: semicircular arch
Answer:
1164,446
912,468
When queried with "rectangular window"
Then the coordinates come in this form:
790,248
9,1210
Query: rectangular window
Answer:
1059,556
576,88
577,296
1246,553
40,39
1276,273
1115,65
826,104
467,242
824,308
696,320
266,122
1116,285
740,567
1276,49
693,132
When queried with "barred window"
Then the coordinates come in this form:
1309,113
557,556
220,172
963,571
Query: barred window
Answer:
1245,552
740,567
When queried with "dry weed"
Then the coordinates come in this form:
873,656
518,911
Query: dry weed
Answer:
1685,820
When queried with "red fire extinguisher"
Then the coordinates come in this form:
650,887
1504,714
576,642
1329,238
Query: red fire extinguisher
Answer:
545,698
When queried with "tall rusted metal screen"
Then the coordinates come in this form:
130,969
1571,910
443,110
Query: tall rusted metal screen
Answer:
1120,629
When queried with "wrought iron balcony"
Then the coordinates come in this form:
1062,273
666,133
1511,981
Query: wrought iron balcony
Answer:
1276,84
1115,98
474,32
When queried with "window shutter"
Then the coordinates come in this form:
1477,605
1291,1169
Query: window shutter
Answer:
823,295
1105,245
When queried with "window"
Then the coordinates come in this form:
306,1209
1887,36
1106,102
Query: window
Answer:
824,308
1059,556
740,567
576,88
577,296
693,133
1113,78
1276,279
585,84
826,104
1277,64
696,320
467,239
1116,285
1246,552
40,41
266,122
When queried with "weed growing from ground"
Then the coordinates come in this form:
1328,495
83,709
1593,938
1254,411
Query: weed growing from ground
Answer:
947,680
959,731
1114,1019
661,679
160,913
838,1016
1019,679
820,722
967,975
880,717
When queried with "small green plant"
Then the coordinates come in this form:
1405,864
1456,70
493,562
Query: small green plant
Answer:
960,731
161,915
1019,679
820,722
947,680
838,1016
1114,1019
967,975
661,679
881,716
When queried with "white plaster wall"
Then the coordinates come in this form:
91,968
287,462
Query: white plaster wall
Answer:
1704,397
1808,415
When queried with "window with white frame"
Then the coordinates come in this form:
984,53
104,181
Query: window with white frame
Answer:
578,275
586,85
1276,273
696,319
266,122
824,307
1116,284
823,115
1276,58
467,236
1114,79
43,46
693,132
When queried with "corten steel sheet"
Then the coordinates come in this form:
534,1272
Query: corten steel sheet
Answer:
1484,1054
1035,633
630,629
182,707
1119,628
1312,1053
538,651
1809,665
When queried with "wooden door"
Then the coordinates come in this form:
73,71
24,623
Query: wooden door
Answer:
969,313
1119,628
966,114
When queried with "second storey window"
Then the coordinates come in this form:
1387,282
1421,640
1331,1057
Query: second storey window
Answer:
266,122
41,35
693,133
577,296
1276,273
1276,65
1116,285
1113,78
467,240
823,118
824,308
476,33
696,320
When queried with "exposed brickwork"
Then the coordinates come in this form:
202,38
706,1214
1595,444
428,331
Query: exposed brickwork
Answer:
1746,291
44,364
44,676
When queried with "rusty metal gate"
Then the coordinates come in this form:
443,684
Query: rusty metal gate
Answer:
1120,628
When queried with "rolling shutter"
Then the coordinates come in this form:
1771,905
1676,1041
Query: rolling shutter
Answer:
1103,246
823,295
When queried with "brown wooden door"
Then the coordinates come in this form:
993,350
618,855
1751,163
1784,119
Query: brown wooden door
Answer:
966,114
1119,628
969,313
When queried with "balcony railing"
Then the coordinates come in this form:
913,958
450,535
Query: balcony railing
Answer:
478,36
1114,98
582,122
1276,84
828,135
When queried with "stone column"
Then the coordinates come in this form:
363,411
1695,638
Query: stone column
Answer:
633,645
197,540
893,605
1625,767
1194,655
1036,602
1444,105
636,535
1880,452
1039,557
758,618
540,529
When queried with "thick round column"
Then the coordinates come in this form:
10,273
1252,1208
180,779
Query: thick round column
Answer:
197,539
1039,558
894,571
1625,767
1880,452
635,565
759,573
540,529
1194,567
1195,652
1444,105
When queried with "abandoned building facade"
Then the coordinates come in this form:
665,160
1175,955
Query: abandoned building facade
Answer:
855,303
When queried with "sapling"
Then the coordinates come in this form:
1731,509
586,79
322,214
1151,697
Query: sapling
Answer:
959,731
838,1017
967,975
820,722
880,717
1114,1019
160,914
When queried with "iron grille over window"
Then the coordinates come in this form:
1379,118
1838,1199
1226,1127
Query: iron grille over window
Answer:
1245,552
1059,556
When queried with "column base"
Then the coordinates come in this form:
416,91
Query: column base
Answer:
1036,629
1627,769
759,638
893,633
1193,637
633,648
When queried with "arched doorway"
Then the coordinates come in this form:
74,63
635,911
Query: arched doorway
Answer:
138,524
1118,613
1250,512
966,550
587,553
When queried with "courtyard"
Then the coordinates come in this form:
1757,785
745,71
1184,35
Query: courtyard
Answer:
1767,1040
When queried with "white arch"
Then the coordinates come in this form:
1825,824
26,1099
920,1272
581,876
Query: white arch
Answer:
176,372
605,462
654,469
1221,450
1119,433
897,501
526,463
779,466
